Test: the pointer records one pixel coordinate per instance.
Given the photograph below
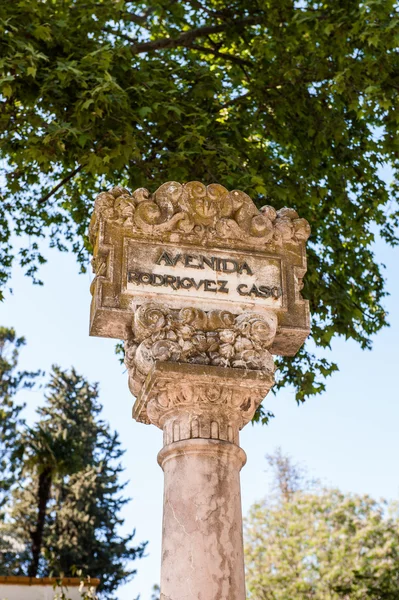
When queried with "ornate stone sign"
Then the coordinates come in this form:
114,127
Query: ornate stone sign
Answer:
203,288
204,247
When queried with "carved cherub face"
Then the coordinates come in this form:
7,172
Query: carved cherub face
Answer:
200,342
227,336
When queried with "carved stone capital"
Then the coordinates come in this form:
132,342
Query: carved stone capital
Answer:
191,401
199,374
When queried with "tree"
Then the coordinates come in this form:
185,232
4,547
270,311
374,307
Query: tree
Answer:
288,477
321,543
67,508
293,102
11,381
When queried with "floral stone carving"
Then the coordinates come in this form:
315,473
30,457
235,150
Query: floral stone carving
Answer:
191,335
204,211
199,373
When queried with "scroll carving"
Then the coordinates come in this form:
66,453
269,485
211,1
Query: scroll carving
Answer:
203,211
190,335
99,268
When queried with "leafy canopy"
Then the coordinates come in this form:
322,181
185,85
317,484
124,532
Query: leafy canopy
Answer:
307,541
294,102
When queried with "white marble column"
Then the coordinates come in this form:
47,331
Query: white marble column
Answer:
204,288
201,410
202,546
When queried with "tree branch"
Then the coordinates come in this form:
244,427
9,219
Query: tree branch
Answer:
60,184
138,19
119,34
233,101
187,44
187,37
224,55
355,304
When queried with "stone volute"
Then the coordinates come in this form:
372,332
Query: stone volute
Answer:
204,288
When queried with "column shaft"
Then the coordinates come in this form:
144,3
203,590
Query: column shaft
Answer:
202,545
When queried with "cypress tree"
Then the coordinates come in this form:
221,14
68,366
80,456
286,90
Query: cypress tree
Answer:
67,509
11,380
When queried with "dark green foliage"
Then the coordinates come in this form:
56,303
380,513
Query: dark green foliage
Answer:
11,380
65,512
294,102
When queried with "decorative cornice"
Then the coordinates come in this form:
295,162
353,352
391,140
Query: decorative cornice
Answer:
198,212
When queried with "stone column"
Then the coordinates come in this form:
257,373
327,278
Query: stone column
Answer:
202,546
200,409
204,287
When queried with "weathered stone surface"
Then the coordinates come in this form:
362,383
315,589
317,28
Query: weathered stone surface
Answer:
193,336
202,546
197,246
204,288
197,401
203,212
201,409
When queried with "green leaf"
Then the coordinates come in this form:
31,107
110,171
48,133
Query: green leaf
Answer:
31,71
144,111
42,32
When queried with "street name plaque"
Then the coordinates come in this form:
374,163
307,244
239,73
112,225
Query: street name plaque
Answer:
206,278
204,289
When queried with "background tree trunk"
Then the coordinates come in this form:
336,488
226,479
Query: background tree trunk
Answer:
44,487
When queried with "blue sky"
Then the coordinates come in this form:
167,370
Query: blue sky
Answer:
347,436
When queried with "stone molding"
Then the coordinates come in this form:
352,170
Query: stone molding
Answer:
200,212
191,335
198,401
203,447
